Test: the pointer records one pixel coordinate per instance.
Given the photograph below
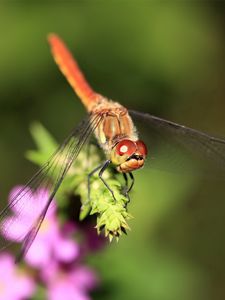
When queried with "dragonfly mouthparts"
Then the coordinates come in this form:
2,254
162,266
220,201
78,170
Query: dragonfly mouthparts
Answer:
135,156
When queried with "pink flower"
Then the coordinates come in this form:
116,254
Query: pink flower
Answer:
51,242
72,282
14,285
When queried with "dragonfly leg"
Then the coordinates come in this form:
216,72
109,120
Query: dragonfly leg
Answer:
126,180
128,189
125,188
104,167
132,182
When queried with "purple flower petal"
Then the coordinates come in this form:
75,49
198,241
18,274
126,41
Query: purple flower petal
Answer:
30,203
39,254
41,197
14,285
17,228
58,291
59,282
84,277
67,250
72,281
22,206
50,273
24,287
52,242
6,265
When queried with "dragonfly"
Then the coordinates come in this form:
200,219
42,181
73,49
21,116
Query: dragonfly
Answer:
114,129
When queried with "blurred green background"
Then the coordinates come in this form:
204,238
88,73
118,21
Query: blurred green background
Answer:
162,57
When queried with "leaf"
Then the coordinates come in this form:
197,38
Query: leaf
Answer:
45,143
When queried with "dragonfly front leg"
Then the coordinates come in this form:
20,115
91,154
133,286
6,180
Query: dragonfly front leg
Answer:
104,167
126,184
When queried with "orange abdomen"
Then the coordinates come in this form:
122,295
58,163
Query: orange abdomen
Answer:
69,67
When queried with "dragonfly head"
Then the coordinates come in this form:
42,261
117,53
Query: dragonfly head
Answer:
129,155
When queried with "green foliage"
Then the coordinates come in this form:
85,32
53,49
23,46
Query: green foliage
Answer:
111,216
45,143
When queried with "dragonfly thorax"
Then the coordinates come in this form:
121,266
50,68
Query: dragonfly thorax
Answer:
116,125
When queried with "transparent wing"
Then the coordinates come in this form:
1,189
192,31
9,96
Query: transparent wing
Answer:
172,146
48,178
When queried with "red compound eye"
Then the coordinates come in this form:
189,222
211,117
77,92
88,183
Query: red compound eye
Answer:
126,147
141,148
